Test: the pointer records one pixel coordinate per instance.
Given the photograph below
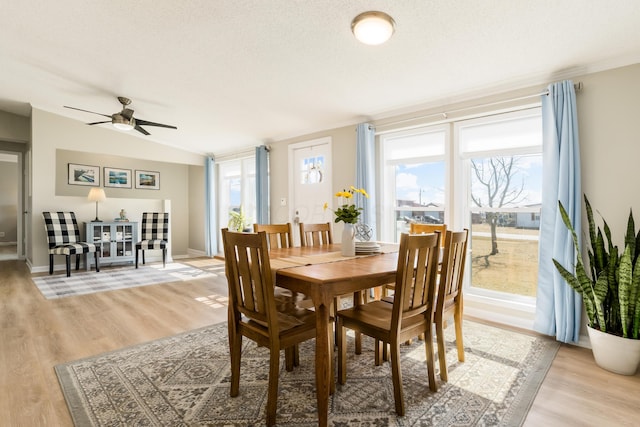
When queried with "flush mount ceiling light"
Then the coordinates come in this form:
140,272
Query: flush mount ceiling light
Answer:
373,28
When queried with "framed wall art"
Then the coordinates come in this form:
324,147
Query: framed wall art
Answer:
118,178
148,180
84,175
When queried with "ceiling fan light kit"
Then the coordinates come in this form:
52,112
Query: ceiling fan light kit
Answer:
121,123
124,119
373,27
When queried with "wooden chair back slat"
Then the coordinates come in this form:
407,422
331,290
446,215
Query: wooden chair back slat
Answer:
278,235
249,276
416,228
416,277
315,234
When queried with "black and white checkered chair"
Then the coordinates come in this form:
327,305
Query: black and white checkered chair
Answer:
155,234
63,235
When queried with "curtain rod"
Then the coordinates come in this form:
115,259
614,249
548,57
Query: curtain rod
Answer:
578,87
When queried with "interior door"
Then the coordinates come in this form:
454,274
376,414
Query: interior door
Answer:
310,188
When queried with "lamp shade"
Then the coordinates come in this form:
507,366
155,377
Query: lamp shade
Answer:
97,195
373,28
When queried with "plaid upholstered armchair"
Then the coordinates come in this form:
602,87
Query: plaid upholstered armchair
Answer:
63,235
155,234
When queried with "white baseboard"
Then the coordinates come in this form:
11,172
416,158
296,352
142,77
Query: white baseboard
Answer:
194,253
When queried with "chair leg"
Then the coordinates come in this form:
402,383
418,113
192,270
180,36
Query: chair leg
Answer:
97,262
164,257
289,358
68,265
458,322
442,351
235,350
428,347
272,397
137,257
378,352
396,375
77,262
143,257
342,352
50,263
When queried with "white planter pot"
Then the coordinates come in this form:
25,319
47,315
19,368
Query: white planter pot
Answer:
614,353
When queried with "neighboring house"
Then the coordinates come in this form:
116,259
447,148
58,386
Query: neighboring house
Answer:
529,219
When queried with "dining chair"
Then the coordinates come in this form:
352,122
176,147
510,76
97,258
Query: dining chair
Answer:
63,236
253,312
315,234
155,235
419,228
410,314
278,235
449,295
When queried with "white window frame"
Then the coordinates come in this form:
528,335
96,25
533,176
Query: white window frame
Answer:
222,197
462,166
387,191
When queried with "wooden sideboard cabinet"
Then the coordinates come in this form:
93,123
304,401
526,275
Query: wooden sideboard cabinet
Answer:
115,241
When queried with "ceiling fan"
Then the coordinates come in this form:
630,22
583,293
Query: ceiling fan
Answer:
124,120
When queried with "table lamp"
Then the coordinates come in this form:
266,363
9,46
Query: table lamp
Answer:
97,195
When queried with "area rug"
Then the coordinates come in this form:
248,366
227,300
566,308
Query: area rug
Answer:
109,279
183,380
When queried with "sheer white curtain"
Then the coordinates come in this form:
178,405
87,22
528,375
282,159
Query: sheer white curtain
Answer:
558,307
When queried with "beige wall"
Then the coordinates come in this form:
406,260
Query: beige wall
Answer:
9,201
609,126
57,140
196,210
14,128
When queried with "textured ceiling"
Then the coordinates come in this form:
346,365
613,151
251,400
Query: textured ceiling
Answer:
236,73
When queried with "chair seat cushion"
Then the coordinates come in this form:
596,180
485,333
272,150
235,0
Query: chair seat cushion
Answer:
73,249
151,244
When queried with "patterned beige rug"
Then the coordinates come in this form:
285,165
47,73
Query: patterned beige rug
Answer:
183,380
110,279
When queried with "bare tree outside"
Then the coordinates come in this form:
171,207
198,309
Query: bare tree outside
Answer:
496,187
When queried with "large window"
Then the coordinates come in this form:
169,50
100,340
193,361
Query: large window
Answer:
236,189
490,182
501,161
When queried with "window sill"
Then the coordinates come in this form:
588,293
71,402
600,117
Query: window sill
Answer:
511,313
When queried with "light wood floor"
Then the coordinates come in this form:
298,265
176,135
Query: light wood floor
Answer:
37,334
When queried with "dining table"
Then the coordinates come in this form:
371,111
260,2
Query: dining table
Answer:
322,273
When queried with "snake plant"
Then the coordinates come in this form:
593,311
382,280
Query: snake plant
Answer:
610,284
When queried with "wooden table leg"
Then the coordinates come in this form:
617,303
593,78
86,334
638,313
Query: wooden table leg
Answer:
324,357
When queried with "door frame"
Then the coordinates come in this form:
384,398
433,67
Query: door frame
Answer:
326,140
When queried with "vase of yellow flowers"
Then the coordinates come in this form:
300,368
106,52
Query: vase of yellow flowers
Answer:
348,213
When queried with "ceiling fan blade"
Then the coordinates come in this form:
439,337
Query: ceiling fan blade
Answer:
87,111
98,123
139,129
146,123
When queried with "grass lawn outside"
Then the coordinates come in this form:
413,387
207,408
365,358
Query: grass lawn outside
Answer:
514,269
